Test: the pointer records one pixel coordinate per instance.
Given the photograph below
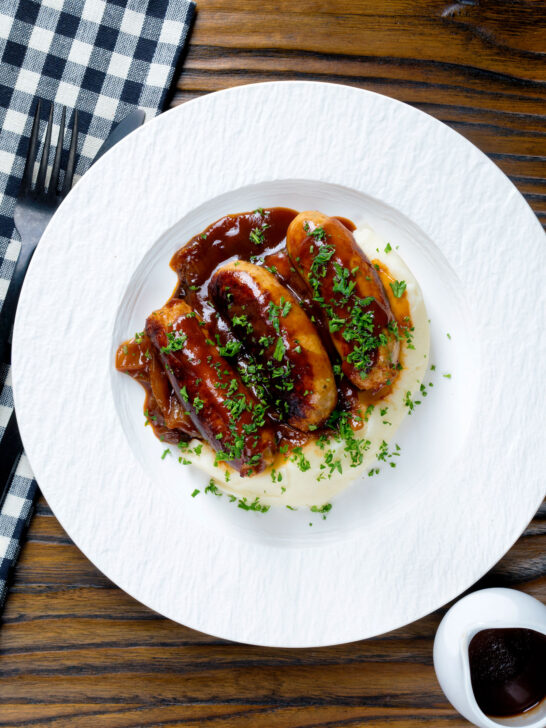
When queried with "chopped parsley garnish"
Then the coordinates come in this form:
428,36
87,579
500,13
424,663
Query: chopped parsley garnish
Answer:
319,233
184,394
165,453
342,284
176,342
388,248
276,477
257,235
254,506
274,312
321,509
279,349
212,488
339,422
230,349
139,336
359,329
198,404
398,288
299,458
330,464
410,403
195,492
242,320
318,267
273,315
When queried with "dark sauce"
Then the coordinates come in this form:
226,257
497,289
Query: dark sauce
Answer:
227,239
508,670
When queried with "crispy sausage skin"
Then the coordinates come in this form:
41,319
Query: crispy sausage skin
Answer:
224,411
275,330
347,287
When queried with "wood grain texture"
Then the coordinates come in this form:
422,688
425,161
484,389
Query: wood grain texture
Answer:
74,649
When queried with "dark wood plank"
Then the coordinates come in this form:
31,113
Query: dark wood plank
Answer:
74,649
109,715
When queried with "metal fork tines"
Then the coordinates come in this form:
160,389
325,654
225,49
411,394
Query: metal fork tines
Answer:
35,206
38,198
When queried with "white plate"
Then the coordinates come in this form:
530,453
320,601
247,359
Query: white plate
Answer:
395,546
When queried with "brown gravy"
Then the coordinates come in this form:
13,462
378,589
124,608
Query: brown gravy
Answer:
508,670
227,239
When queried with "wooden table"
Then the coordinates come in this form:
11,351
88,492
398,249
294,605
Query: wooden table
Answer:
78,652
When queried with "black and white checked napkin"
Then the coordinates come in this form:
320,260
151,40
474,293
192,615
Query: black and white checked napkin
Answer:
103,57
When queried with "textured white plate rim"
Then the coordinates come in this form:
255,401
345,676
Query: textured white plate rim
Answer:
56,474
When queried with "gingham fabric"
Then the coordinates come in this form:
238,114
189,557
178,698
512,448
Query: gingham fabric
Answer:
103,57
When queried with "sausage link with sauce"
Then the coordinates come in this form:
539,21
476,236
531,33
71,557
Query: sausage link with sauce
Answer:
347,287
275,330
224,411
138,358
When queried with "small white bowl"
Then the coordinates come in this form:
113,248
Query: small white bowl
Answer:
485,609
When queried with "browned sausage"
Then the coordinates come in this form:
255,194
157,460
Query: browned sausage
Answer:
175,415
276,331
347,287
138,358
224,411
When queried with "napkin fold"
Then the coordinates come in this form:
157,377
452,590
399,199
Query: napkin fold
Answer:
104,58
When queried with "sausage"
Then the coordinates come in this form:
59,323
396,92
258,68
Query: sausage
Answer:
175,415
139,359
222,409
347,287
276,332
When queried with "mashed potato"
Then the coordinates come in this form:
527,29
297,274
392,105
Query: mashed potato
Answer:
329,469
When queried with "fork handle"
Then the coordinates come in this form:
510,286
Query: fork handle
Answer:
7,314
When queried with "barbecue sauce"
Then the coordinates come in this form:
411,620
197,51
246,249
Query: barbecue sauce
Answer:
228,239
507,670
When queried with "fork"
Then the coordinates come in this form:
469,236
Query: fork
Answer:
34,208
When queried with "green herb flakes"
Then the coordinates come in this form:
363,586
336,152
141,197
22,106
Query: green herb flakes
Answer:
176,342
398,288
